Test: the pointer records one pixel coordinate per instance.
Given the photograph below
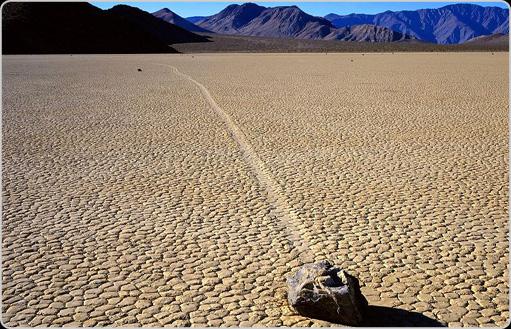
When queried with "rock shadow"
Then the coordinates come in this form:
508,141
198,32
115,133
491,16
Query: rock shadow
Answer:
380,316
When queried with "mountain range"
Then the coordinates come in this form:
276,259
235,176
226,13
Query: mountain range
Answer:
290,22
37,27
450,24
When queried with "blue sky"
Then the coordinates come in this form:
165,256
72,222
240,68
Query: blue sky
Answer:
187,9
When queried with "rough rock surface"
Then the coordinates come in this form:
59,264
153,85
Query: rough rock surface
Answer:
323,291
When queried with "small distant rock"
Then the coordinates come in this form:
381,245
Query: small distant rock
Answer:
323,291
139,70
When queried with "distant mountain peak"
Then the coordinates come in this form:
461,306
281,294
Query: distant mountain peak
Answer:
171,17
244,6
288,8
293,7
165,31
250,4
165,10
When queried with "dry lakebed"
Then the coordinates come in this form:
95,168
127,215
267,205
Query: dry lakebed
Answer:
185,192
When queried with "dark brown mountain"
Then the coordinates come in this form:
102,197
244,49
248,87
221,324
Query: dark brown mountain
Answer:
166,32
38,28
46,28
170,17
290,22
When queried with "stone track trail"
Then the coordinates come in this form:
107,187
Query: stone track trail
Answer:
287,216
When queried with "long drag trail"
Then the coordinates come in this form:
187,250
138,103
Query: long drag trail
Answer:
288,218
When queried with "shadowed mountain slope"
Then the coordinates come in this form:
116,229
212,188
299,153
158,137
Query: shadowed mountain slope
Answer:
166,32
170,17
46,28
450,24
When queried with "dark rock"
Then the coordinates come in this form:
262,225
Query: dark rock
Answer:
139,70
326,292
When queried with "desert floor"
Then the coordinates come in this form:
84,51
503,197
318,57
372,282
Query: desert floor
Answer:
183,194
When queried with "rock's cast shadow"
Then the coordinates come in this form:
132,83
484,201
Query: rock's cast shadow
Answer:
379,316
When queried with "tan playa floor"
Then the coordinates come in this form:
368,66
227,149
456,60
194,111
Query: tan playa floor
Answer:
184,197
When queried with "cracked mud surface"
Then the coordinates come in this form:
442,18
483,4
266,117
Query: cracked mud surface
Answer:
128,200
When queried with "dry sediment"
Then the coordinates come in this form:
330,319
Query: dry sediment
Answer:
128,201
